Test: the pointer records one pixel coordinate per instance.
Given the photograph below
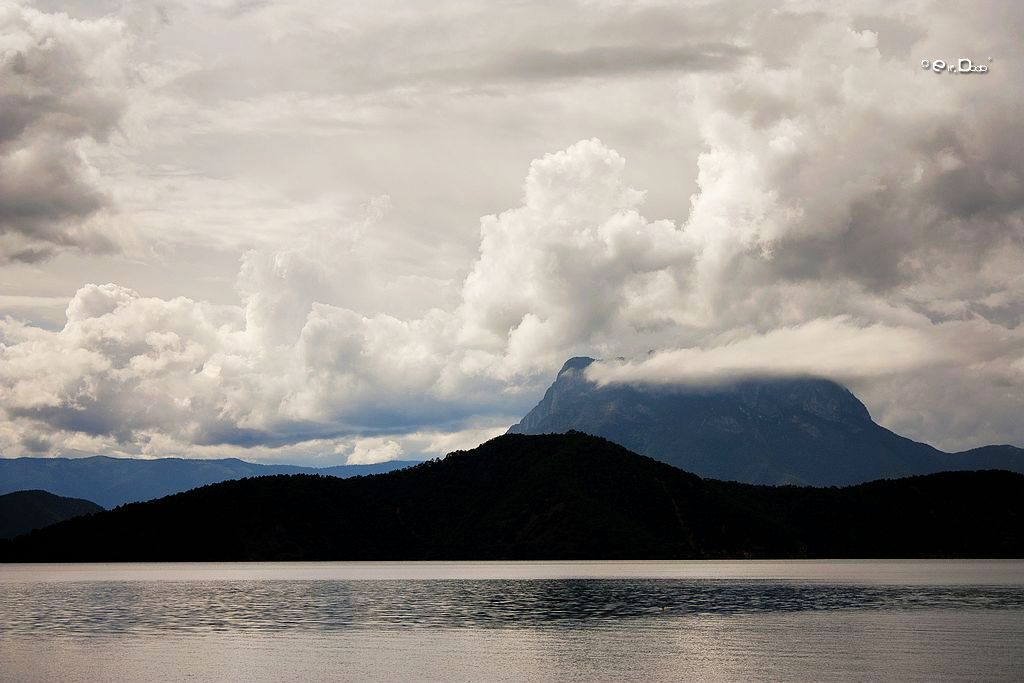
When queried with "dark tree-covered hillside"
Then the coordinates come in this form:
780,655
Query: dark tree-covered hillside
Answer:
568,496
23,511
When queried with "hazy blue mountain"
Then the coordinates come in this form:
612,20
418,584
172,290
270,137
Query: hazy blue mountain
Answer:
560,496
762,431
114,481
23,511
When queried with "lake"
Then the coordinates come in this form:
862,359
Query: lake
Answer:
579,621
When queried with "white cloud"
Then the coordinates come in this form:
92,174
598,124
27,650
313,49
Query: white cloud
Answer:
368,452
828,347
568,267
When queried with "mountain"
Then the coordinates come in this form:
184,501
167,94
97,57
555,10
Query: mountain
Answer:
566,496
23,511
761,431
114,481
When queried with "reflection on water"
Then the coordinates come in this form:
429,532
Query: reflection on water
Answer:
197,606
532,621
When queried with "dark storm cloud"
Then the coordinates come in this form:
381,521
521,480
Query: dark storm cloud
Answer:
94,418
36,444
59,85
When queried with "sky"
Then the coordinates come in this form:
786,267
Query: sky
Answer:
329,232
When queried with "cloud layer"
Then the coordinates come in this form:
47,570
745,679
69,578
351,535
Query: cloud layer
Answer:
854,216
824,347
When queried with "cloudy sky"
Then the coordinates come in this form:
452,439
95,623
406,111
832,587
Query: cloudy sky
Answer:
327,232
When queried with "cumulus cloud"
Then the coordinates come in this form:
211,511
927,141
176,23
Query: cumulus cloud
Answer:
840,178
570,267
62,84
294,363
821,173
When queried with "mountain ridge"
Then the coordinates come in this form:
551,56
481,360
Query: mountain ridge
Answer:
762,430
109,481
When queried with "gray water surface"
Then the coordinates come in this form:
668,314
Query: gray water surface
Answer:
814,620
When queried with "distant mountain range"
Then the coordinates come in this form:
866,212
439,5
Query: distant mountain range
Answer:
115,481
23,511
568,496
762,431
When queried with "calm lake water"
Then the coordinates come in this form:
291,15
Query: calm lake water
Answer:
649,621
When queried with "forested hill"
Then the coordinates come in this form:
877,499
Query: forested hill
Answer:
568,496
23,511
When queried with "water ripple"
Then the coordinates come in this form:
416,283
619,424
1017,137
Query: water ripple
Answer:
143,607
